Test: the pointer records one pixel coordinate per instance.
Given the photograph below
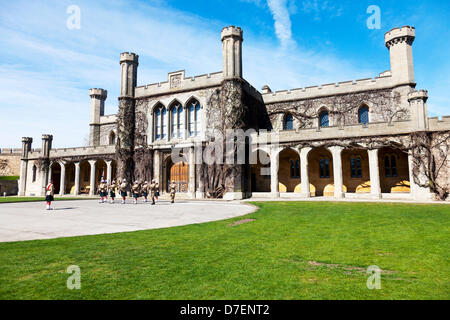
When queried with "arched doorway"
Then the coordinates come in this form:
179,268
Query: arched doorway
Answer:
355,170
70,178
320,172
394,170
289,171
56,176
100,172
178,172
260,171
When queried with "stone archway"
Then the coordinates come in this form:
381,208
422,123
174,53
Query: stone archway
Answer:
178,172
56,176
320,172
394,170
260,171
355,170
289,171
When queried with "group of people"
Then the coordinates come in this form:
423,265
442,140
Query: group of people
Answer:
137,190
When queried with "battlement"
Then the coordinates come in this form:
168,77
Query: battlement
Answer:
129,57
231,31
418,95
47,137
97,92
10,151
329,89
436,124
406,32
178,82
108,119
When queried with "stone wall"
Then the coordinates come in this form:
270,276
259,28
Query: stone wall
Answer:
9,164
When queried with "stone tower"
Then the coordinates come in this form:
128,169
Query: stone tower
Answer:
98,97
47,140
126,117
399,42
232,52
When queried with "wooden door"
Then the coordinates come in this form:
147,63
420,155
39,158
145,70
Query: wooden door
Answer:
180,174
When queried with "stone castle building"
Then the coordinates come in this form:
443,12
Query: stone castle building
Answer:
369,138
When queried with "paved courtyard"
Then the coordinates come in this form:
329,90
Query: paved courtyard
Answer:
29,221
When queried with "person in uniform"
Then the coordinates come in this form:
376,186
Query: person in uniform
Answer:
156,191
112,191
123,190
102,190
49,193
135,190
173,190
144,191
152,188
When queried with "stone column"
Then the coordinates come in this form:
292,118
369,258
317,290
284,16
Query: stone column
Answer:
77,178
337,171
374,170
192,172
157,167
274,166
108,171
304,171
62,188
92,180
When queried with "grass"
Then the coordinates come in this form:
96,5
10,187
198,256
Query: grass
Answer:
9,178
36,199
293,250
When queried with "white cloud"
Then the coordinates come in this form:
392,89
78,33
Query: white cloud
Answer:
283,25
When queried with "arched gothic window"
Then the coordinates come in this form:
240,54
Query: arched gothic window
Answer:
177,121
288,123
363,115
112,138
160,122
164,123
324,120
194,118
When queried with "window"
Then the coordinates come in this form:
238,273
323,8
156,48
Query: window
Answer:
390,166
295,169
194,119
34,173
158,124
363,115
164,123
174,120
288,122
324,120
180,121
112,138
355,167
324,168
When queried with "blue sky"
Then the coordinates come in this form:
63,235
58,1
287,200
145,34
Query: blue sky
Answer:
46,69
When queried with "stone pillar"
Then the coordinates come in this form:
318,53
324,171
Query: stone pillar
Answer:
77,178
92,180
417,192
274,166
98,97
108,171
62,188
304,171
45,155
374,171
26,148
337,171
192,172
157,166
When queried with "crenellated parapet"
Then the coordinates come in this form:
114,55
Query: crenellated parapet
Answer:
398,35
129,57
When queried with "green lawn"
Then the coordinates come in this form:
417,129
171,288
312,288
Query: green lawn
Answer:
35,199
306,250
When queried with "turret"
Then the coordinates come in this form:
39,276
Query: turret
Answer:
399,42
128,63
418,104
26,148
46,145
98,97
232,38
